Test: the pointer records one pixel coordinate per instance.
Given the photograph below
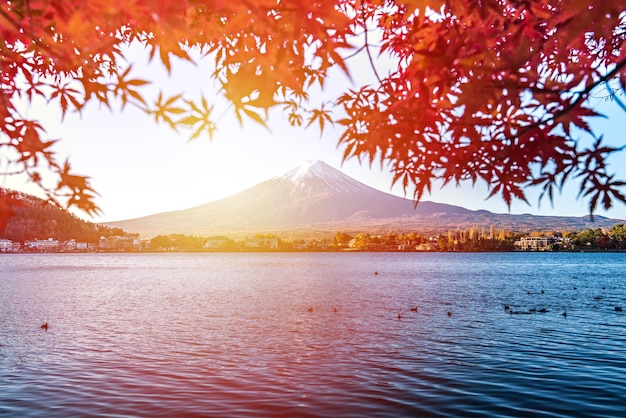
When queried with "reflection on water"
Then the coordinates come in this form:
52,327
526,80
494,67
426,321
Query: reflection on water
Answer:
312,335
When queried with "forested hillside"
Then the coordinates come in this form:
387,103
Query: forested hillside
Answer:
36,218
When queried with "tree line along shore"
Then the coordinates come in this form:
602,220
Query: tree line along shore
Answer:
38,226
469,239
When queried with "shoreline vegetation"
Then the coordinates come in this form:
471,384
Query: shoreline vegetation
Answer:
472,239
37,226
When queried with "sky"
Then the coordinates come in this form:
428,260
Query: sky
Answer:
140,168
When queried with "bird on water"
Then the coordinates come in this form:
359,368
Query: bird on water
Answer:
45,326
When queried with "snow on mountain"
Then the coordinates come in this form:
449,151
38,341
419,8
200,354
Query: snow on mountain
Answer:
317,176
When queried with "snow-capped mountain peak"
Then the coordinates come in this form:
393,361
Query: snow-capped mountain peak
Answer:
309,168
316,174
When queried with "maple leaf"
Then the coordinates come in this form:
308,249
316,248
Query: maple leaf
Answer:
34,87
322,116
599,186
252,115
66,95
80,192
575,117
201,116
295,119
30,145
124,88
166,109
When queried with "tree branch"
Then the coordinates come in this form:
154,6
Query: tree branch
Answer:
582,96
367,48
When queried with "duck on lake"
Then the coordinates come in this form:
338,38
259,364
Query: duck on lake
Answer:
45,326
528,312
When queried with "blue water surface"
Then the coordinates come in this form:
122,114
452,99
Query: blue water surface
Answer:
313,334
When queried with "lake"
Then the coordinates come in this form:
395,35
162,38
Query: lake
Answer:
313,334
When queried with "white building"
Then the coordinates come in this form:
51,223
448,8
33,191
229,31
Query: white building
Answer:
117,243
6,245
44,245
215,243
261,243
533,243
72,245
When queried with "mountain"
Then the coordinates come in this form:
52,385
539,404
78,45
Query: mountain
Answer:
316,198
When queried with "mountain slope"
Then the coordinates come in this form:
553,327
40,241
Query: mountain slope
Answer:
318,197
36,218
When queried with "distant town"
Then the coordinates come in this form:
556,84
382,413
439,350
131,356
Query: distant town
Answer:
470,239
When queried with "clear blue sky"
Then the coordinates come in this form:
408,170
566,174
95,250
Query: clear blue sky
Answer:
140,168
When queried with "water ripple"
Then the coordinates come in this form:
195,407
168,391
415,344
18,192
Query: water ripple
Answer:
312,335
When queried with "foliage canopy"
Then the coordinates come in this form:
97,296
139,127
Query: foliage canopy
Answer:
479,90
